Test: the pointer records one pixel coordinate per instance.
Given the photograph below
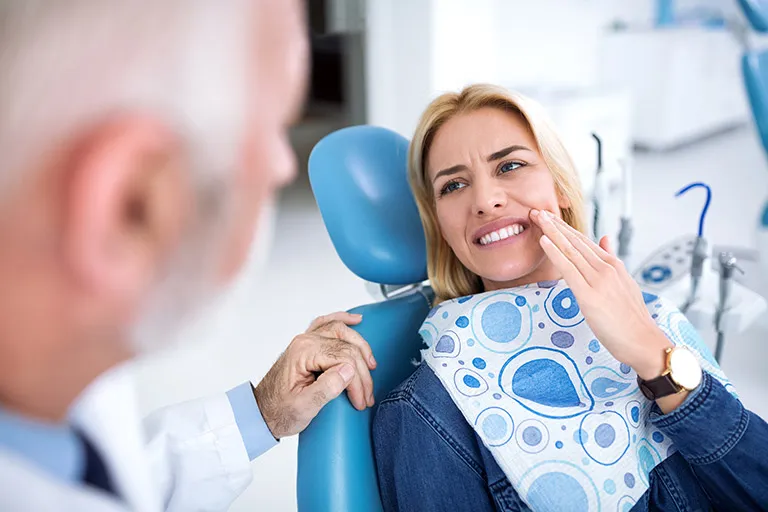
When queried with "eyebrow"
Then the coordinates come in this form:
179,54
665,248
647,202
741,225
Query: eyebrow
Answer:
493,156
504,152
449,171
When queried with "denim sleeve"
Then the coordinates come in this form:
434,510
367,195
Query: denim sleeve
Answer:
418,468
725,444
253,429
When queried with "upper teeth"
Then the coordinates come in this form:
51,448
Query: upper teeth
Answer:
501,234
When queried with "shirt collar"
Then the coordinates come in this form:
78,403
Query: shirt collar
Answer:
56,448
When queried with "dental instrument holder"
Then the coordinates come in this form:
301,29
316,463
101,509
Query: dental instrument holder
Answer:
728,263
699,249
625,237
706,300
597,193
698,258
625,228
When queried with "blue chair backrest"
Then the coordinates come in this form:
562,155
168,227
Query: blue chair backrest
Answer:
754,66
358,177
756,12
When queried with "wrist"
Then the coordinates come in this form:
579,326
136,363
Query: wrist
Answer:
263,405
650,361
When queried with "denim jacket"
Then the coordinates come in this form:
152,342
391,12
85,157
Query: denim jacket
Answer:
430,459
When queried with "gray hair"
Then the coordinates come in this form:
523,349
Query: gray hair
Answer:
67,63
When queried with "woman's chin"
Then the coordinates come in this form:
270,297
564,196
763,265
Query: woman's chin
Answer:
506,276
509,272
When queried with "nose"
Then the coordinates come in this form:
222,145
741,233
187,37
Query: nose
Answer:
488,197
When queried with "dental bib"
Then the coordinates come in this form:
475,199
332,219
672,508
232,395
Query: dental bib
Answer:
565,421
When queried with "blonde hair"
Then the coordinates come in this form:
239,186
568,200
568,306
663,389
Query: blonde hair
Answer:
448,276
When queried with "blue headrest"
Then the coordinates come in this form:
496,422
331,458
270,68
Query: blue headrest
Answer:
358,176
756,12
754,65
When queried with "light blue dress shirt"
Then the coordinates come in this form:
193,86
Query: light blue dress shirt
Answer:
58,450
256,435
55,448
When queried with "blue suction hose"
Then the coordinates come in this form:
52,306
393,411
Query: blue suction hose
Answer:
700,248
704,210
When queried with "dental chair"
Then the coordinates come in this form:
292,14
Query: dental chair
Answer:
358,177
754,66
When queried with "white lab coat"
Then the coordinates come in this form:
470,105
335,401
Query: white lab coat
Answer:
187,457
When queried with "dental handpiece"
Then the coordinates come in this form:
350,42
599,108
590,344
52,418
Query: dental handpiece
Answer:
625,237
728,264
698,258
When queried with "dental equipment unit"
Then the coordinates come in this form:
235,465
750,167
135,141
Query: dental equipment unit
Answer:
707,299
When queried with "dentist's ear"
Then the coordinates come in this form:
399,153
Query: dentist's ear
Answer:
126,203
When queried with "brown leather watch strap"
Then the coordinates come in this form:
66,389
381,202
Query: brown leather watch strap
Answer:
658,387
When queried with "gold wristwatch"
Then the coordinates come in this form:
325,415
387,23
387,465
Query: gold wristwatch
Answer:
683,373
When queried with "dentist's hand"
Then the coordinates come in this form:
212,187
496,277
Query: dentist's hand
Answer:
610,300
315,368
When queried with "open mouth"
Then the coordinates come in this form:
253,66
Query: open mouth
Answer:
501,234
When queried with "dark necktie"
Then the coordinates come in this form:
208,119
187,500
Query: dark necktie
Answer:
96,474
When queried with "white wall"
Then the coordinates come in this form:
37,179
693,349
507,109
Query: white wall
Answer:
417,49
398,57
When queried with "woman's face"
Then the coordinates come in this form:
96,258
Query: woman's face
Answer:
487,174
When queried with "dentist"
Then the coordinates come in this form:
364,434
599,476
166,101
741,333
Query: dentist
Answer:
141,142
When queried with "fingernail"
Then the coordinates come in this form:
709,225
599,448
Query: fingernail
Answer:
346,372
372,360
534,213
358,315
371,400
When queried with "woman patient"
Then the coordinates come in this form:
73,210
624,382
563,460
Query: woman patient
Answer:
529,393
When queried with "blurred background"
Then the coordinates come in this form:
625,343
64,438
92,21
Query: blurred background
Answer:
659,82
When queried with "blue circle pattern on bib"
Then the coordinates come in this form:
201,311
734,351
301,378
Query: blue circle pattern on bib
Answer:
496,426
547,382
558,485
561,307
501,323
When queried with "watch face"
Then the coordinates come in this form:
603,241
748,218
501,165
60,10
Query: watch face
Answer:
685,368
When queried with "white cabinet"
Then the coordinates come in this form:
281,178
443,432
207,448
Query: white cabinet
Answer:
686,83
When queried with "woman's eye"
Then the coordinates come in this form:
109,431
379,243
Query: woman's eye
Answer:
510,166
451,187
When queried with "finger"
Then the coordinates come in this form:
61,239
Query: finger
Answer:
356,393
340,331
328,386
566,248
588,249
570,273
329,352
605,244
603,250
599,255
363,374
341,316
600,251
355,389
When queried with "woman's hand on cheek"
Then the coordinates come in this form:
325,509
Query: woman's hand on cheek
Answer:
609,299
